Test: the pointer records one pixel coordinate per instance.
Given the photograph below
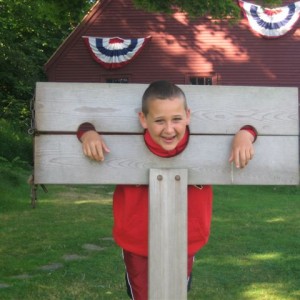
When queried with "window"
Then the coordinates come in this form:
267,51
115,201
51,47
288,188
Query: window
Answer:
201,79
117,80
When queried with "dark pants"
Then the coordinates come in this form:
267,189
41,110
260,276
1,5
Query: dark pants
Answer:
137,275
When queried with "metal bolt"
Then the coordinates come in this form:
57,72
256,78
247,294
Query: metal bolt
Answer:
159,177
177,177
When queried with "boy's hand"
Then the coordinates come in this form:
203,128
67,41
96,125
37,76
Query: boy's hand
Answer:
93,145
242,150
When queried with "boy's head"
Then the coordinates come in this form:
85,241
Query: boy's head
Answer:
164,113
162,90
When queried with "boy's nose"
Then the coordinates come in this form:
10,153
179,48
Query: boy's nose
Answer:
169,128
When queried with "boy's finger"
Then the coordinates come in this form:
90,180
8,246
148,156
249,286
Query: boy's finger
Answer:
106,149
243,159
86,151
91,152
98,153
235,157
231,157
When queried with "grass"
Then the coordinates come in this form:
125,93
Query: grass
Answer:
253,252
46,252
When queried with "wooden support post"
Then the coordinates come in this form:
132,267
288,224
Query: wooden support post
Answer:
168,234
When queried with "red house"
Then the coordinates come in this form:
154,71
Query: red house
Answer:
184,51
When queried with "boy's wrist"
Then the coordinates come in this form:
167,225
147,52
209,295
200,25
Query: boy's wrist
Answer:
83,128
251,130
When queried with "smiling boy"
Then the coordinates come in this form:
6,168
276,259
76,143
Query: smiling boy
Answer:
165,118
165,121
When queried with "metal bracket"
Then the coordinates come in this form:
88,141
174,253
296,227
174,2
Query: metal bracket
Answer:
34,188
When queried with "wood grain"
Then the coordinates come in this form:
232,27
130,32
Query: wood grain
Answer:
215,109
168,234
59,160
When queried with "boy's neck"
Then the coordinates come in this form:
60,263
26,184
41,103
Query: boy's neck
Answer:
159,151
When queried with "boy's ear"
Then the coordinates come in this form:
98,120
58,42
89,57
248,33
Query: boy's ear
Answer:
142,119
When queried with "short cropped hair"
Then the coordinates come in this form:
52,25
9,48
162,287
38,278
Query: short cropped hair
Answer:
162,90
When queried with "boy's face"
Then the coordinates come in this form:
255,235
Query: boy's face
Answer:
166,121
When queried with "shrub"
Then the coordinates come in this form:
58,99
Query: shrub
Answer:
15,143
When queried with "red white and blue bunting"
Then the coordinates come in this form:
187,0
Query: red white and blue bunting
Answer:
271,23
114,52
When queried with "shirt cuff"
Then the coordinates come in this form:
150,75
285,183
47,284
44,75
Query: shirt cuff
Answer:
251,130
83,128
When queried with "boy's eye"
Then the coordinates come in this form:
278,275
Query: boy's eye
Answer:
177,119
159,121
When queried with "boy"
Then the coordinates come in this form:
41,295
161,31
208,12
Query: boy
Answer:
165,118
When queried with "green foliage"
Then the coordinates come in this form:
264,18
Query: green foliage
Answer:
15,144
10,176
30,32
13,175
217,9
20,58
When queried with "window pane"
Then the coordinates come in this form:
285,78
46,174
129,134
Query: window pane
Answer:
200,80
116,80
193,80
208,81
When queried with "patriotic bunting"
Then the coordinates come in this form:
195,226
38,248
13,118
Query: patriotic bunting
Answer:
115,52
271,23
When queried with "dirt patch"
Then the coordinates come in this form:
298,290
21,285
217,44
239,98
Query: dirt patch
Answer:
22,276
51,267
92,247
111,239
71,257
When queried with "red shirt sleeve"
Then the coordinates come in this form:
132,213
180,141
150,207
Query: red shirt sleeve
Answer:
250,129
84,127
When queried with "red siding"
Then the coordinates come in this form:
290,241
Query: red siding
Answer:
179,47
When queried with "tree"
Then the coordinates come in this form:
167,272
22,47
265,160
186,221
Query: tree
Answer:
30,31
218,9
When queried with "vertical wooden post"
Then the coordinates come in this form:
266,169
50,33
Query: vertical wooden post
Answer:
168,234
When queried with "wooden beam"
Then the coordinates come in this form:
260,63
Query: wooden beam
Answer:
215,109
59,160
168,234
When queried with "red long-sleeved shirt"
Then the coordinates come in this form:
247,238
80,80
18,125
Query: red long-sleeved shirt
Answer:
130,206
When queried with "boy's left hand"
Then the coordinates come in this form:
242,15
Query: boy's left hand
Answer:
242,150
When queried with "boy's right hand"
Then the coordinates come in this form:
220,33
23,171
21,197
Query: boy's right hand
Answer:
93,145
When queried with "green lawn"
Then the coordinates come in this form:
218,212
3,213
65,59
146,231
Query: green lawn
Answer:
63,249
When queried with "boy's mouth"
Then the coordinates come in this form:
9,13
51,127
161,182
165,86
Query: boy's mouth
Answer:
169,139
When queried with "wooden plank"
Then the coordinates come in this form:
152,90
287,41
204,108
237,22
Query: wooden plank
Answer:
168,234
215,109
59,160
